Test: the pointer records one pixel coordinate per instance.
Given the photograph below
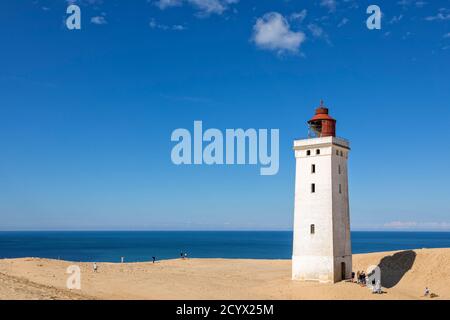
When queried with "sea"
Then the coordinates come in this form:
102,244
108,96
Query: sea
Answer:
135,246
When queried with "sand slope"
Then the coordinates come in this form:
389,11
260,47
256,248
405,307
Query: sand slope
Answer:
12,287
404,276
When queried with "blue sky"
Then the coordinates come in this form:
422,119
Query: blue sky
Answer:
86,115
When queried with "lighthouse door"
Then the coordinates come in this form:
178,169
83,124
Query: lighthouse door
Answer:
343,270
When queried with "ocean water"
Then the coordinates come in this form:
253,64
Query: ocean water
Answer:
109,246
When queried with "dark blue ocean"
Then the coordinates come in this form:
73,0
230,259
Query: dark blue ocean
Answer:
141,246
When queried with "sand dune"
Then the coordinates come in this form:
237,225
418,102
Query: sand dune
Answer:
404,276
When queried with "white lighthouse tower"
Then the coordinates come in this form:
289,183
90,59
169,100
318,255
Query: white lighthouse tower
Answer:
322,247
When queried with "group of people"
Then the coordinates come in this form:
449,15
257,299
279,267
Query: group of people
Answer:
183,256
359,278
122,259
427,293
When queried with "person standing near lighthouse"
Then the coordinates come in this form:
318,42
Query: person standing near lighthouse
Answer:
322,244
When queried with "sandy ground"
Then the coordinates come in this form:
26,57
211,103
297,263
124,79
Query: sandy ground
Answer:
405,274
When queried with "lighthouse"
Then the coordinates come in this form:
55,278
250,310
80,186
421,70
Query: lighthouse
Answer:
322,246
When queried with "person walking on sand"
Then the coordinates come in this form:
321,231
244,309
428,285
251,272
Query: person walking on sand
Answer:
185,255
154,259
378,287
426,292
181,255
358,277
363,278
95,267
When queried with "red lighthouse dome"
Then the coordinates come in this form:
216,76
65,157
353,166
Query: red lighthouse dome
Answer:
322,124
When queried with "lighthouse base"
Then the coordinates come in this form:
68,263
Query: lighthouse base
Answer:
324,269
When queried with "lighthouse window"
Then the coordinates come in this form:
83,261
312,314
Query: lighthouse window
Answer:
313,168
342,154
313,229
339,169
308,152
337,152
313,187
318,151
340,188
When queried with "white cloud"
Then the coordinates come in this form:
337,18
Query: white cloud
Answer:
417,225
352,4
447,35
299,16
208,7
420,4
98,20
163,4
85,2
204,7
396,19
315,30
343,22
272,32
318,32
443,14
329,4
155,25
178,27
400,224
404,2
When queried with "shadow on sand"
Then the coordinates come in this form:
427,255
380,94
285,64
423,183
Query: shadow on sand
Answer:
394,267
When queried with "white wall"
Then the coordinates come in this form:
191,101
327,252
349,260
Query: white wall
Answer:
318,256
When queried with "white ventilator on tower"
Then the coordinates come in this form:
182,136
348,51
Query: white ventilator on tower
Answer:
322,245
